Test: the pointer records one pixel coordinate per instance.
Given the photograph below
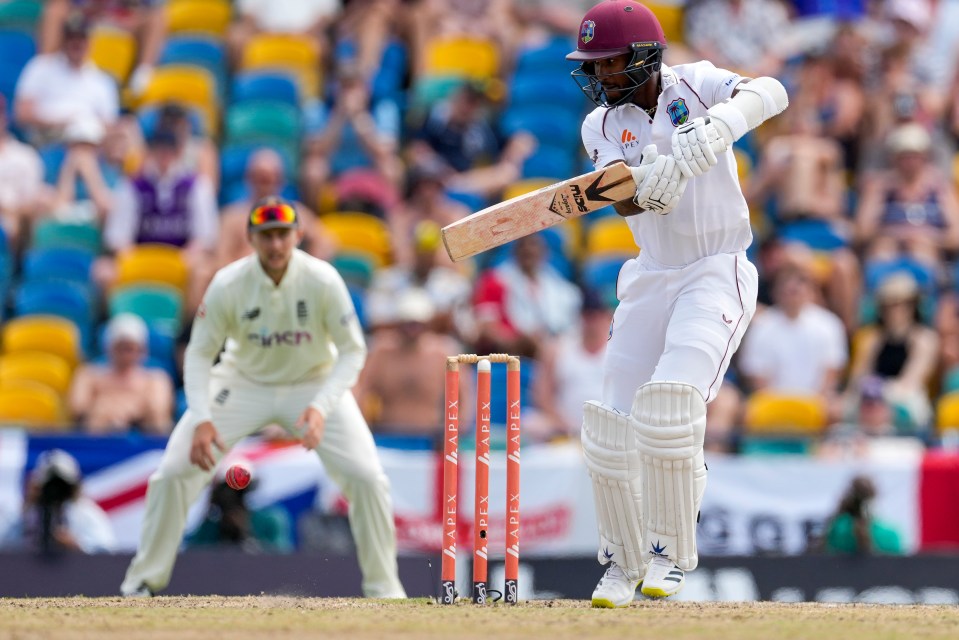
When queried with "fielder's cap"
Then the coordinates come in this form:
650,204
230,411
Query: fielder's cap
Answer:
898,287
273,212
414,305
612,27
126,327
909,137
57,463
76,24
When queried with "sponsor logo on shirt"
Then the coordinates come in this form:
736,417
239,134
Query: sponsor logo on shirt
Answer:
628,139
280,338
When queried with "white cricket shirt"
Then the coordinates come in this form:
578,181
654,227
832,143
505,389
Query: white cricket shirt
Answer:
303,329
712,216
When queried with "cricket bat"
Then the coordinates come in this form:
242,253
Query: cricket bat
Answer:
537,210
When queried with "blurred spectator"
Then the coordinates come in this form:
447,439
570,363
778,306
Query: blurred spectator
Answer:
265,177
230,521
196,153
22,192
144,19
740,35
448,289
900,350
123,394
353,133
167,205
402,386
795,346
295,17
570,373
803,171
458,136
425,201
854,530
911,209
81,165
870,431
524,303
57,516
59,87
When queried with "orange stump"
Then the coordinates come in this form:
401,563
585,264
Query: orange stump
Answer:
512,480
450,477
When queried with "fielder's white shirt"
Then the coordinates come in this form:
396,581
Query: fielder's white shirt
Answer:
793,355
303,329
712,216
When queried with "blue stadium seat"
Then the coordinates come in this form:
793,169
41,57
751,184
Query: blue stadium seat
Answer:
549,90
16,47
9,74
201,51
602,275
550,58
556,125
264,85
551,162
58,263
59,298
233,159
498,389
52,157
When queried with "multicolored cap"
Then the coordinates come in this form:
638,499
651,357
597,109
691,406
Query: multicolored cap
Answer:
273,213
615,27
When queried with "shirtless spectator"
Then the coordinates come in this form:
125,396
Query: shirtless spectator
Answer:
265,177
22,192
123,394
402,385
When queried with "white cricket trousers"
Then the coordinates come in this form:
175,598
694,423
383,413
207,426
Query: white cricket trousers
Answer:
677,324
239,408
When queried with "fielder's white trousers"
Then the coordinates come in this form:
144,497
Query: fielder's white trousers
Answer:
348,454
677,324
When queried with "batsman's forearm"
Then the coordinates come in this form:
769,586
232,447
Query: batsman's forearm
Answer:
755,102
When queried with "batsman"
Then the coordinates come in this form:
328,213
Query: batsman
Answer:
684,302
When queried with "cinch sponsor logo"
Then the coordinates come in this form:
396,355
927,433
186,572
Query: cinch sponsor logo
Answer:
280,338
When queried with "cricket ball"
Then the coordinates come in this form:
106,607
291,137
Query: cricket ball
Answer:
238,476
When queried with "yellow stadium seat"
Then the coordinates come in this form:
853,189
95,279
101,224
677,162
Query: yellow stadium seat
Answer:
947,412
608,237
185,84
472,58
777,414
360,233
152,263
296,55
49,334
36,366
114,51
199,16
31,404
670,16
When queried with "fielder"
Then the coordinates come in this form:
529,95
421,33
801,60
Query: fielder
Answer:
294,348
684,302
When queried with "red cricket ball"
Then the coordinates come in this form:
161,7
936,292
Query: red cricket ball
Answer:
238,476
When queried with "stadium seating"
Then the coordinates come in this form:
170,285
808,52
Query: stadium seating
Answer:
58,263
36,366
56,297
17,47
610,237
263,121
53,233
20,14
48,334
152,264
210,17
31,404
264,85
159,306
554,125
149,118
462,57
114,51
947,412
549,161
188,85
784,414
356,268
201,51
294,55
234,157
360,233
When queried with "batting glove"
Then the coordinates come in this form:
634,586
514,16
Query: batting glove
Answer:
661,183
695,145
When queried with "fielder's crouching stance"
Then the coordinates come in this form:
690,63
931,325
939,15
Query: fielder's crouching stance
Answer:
684,303
294,348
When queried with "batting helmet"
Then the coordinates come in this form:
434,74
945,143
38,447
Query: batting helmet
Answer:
614,28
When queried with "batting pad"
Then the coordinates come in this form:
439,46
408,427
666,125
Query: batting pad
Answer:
670,422
609,446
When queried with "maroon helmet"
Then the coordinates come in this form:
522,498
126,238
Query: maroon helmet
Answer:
613,28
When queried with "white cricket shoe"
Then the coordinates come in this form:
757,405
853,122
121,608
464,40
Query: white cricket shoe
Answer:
663,578
142,591
615,589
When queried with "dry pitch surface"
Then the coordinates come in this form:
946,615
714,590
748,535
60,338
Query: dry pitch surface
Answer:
186,618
